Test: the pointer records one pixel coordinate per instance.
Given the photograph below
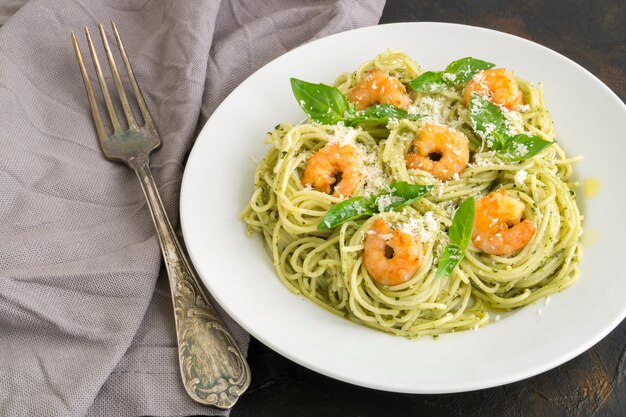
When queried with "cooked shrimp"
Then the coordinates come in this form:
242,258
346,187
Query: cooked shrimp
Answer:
391,258
334,163
440,150
498,85
498,226
378,87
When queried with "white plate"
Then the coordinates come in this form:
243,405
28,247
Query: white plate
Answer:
590,120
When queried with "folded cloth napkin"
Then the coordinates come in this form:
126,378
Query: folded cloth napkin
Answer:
8,8
82,328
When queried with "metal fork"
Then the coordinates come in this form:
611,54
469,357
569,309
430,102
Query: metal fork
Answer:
213,369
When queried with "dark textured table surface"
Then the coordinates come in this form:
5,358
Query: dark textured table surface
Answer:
593,34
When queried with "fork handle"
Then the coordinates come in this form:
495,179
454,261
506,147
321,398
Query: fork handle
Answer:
213,369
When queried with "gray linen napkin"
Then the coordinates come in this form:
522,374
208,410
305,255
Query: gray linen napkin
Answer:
82,328
8,8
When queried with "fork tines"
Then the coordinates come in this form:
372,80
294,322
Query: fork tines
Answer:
132,123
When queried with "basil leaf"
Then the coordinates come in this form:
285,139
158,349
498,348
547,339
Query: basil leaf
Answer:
456,73
379,113
450,258
349,209
488,121
321,102
399,194
460,234
462,70
428,82
402,194
520,147
462,224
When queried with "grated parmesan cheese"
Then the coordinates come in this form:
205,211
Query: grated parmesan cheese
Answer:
439,110
489,129
486,159
425,227
392,123
513,120
480,79
439,189
449,76
343,135
520,150
374,178
520,176
384,201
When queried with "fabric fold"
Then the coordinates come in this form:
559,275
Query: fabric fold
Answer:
82,328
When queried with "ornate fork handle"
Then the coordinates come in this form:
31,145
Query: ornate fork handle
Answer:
213,368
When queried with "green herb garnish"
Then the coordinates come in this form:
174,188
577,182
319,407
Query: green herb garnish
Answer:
522,146
328,105
379,113
460,234
397,195
323,103
349,209
462,70
489,123
429,82
450,258
456,74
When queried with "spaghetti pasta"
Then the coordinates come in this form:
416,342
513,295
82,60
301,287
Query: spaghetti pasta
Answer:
326,266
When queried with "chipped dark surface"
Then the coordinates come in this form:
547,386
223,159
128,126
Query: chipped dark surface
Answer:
593,34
